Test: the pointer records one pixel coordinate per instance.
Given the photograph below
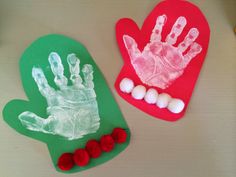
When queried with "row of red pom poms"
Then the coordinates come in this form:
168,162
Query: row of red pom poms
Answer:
93,149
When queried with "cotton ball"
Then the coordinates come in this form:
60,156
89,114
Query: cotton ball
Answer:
126,85
151,96
138,92
163,100
176,105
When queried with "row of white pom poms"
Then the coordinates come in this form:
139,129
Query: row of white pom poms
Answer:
151,96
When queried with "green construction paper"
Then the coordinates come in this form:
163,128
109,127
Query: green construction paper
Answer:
37,55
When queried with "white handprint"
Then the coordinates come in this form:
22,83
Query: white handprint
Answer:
160,63
73,110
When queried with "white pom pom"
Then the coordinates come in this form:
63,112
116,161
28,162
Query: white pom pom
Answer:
138,92
126,85
151,96
176,105
163,100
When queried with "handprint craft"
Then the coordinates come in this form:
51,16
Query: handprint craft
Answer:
73,110
166,53
161,63
66,106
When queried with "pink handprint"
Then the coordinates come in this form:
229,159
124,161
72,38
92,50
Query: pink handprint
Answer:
161,63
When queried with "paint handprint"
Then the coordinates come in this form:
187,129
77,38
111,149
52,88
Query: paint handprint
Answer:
161,63
73,110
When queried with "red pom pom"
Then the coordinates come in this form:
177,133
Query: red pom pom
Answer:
81,157
119,135
93,148
107,143
65,161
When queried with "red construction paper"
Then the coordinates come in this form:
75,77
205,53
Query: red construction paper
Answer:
183,86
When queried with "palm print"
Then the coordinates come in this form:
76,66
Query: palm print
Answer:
161,63
73,110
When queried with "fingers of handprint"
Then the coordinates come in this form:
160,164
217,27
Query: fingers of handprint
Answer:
195,49
42,82
74,65
156,32
131,47
189,39
57,69
88,76
33,122
176,30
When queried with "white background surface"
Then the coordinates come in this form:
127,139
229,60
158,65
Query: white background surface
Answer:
202,144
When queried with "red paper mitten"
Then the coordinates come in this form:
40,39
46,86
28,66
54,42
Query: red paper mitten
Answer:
162,60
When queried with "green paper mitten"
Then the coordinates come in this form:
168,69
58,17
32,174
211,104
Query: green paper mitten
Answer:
70,106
